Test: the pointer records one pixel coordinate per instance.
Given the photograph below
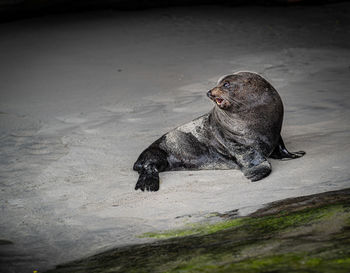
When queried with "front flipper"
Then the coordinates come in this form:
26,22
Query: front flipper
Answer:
281,152
148,180
257,172
254,164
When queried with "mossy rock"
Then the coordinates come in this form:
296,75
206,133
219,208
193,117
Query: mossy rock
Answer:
304,234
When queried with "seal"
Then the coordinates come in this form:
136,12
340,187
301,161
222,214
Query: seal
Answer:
240,132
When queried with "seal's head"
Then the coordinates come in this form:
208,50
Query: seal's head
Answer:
242,91
247,110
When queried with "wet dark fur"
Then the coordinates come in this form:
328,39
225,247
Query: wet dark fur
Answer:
240,132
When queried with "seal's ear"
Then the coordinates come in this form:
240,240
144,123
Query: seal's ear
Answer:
222,77
247,81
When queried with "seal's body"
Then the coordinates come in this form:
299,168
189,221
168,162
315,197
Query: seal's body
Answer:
240,132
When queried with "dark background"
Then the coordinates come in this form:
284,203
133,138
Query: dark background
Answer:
16,9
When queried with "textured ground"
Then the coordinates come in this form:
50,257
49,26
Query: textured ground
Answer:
308,234
82,95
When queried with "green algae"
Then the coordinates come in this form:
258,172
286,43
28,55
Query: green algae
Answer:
299,262
308,234
267,224
194,229
285,220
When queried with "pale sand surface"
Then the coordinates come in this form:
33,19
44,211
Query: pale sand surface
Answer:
82,95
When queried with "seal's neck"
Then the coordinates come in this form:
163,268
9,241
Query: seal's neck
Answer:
225,118
232,125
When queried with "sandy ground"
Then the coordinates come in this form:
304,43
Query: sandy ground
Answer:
82,95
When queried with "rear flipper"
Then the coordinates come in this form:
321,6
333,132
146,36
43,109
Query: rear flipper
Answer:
281,152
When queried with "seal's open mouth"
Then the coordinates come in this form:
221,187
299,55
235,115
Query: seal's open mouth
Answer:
219,100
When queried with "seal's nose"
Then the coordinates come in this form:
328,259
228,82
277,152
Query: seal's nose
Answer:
209,93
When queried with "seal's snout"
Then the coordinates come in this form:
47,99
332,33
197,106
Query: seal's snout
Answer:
209,94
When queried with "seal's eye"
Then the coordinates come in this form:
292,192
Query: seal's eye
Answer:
226,85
